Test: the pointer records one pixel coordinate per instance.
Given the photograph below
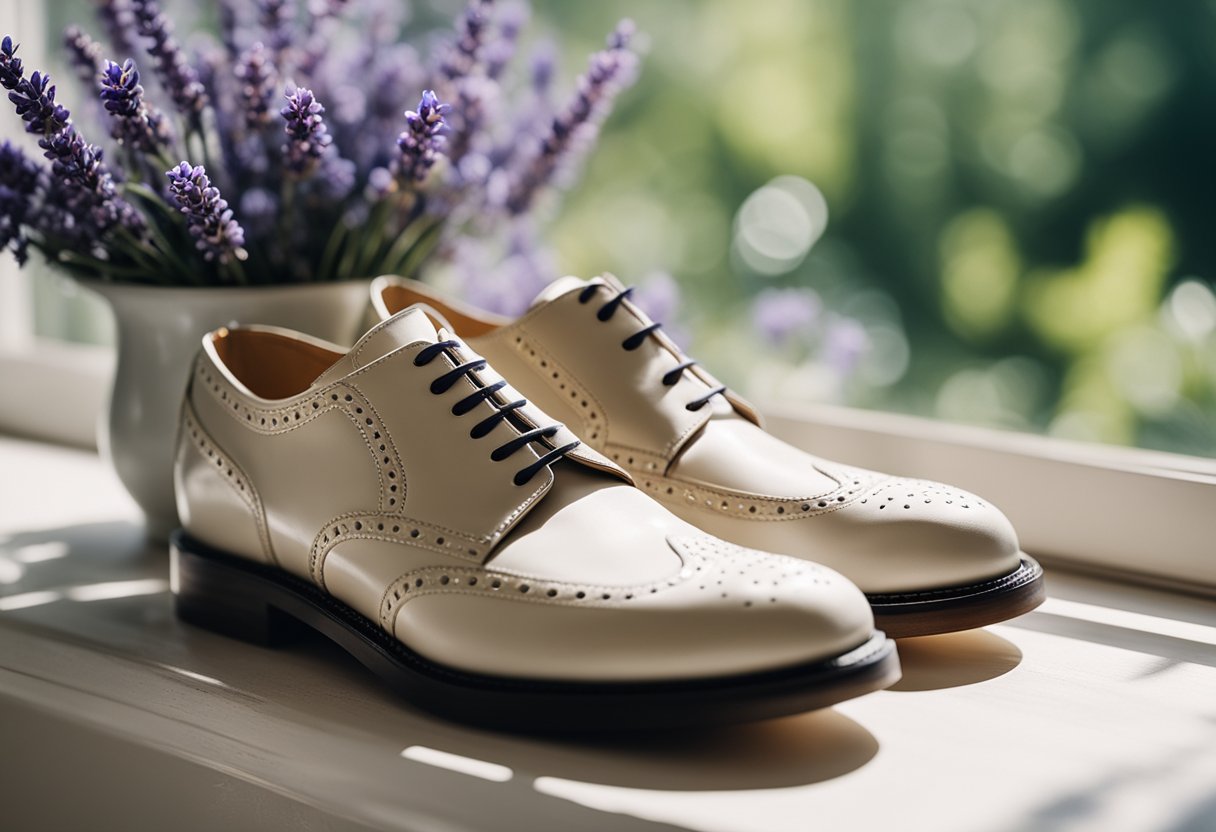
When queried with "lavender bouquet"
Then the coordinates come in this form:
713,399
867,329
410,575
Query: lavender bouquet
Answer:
284,149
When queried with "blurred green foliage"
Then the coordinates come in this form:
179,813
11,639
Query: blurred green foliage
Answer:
1021,196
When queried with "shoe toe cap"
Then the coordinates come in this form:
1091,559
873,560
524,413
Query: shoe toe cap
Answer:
909,535
727,612
757,608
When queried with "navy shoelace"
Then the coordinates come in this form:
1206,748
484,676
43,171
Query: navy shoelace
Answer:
485,393
636,340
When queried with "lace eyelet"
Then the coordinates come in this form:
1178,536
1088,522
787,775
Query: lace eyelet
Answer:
483,393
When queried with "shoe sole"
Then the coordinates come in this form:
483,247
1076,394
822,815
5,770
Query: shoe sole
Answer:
266,606
951,609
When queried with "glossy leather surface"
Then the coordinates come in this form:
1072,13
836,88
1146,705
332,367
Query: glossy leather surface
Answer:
716,467
366,482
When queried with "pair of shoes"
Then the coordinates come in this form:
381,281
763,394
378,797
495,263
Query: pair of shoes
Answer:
930,558
407,501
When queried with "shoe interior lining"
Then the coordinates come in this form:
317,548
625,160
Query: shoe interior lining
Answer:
398,297
270,365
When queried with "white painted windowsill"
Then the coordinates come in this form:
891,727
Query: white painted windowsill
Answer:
1092,714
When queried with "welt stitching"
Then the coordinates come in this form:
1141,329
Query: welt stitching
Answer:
893,597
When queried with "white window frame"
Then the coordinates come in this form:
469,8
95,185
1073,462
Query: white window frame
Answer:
1146,515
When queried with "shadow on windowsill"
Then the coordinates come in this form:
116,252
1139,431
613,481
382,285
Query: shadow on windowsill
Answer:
318,681
952,660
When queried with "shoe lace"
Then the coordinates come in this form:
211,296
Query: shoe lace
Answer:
605,313
485,393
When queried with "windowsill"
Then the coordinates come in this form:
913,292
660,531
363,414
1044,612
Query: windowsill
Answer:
1095,708
55,390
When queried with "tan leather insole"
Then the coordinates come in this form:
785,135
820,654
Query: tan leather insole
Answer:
397,298
271,366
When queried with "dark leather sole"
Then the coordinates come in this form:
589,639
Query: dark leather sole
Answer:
266,606
950,609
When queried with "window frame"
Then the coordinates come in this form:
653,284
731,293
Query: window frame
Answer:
1147,516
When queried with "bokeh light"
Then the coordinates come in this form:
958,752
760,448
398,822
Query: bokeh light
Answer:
777,225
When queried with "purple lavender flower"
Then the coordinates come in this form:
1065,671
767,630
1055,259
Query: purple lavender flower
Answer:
217,235
116,18
76,207
230,27
504,283
844,345
782,315
18,182
371,110
307,136
322,10
528,123
257,86
607,71
466,78
543,67
84,54
34,100
423,138
74,161
471,29
379,183
134,124
658,296
476,97
175,72
499,51
337,177
259,209
278,20
11,71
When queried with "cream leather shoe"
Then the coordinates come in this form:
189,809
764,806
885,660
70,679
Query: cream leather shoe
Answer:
930,558
405,501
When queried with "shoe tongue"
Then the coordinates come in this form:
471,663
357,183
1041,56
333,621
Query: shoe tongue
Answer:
558,288
408,326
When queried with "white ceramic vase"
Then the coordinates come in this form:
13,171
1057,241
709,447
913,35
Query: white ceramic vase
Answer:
159,332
